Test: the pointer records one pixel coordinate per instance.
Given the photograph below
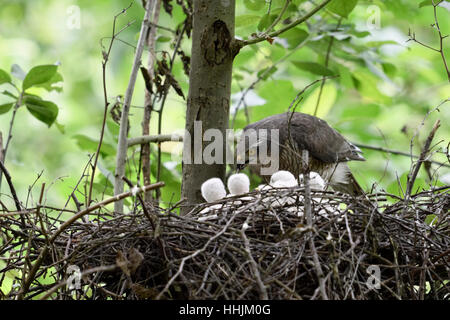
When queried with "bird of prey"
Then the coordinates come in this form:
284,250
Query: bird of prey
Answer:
328,150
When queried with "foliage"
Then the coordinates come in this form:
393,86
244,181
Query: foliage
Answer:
381,89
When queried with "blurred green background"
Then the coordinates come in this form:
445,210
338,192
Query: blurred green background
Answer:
386,85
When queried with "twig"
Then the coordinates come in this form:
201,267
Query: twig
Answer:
122,143
148,103
38,213
163,102
278,18
309,219
155,139
13,191
327,60
412,176
69,222
396,152
262,75
197,252
441,39
103,203
83,274
11,124
293,24
412,37
105,96
262,288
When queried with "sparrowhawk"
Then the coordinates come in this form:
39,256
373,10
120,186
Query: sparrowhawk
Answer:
328,150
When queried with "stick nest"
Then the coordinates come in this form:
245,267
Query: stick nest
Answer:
261,245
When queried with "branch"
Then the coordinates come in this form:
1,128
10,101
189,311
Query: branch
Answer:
327,60
309,221
105,97
163,102
144,161
412,37
243,43
122,144
13,190
11,124
154,138
254,266
422,158
275,22
262,75
103,203
69,222
82,275
441,39
396,152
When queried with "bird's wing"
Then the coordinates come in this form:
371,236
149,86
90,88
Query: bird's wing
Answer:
322,141
310,133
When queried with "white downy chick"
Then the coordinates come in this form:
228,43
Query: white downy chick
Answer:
280,179
315,181
283,179
212,190
238,184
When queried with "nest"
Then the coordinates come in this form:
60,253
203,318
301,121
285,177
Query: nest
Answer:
264,245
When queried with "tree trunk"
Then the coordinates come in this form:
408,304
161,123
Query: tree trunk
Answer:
213,50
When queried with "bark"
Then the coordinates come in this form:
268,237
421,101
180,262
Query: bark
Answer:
213,50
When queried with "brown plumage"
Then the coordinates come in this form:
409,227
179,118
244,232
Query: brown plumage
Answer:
328,149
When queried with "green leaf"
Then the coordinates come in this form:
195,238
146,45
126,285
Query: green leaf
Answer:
61,128
245,20
18,72
313,67
39,75
295,36
367,85
359,34
266,21
370,111
389,68
4,108
266,73
45,111
327,100
238,77
375,44
4,77
429,3
163,39
277,101
431,219
88,144
9,94
254,5
342,7
49,85
398,190
113,128
171,191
